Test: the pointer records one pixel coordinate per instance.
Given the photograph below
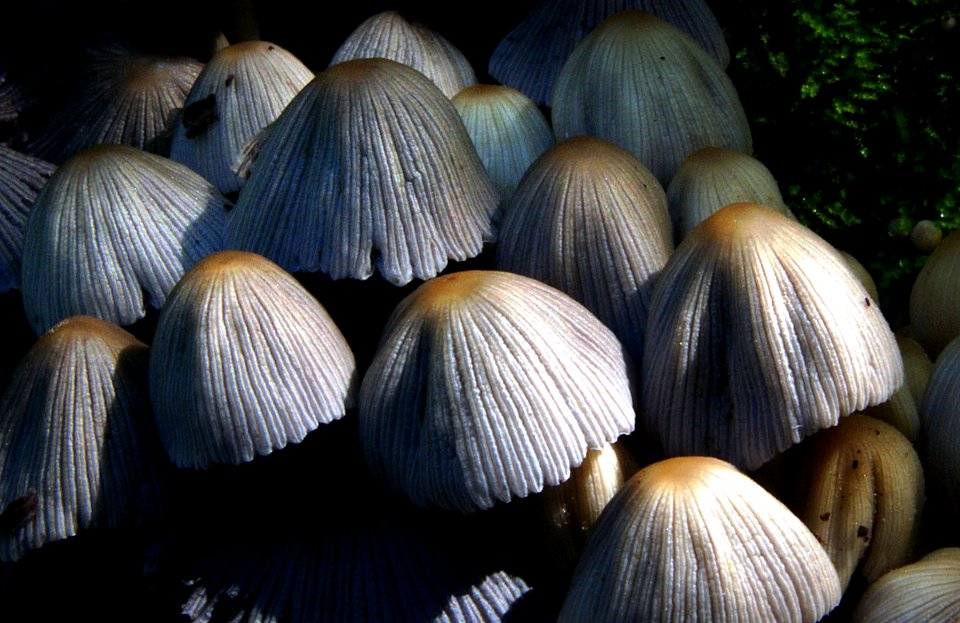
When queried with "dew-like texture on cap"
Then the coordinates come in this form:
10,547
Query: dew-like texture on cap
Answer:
115,225
531,55
762,337
591,220
927,591
21,178
646,86
78,448
369,165
124,98
488,386
935,297
713,177
244,361
389,35
241,90
864,496
940,425
693,539
508,130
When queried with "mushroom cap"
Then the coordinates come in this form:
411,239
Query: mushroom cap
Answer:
591,220
244,361
508,130
369,162
113,224
764,336
865,496
927,590
21,178
123,98
77,444
935,297
489,385
241,90
693,539
940,426
532,54
389,35
644,85
713,177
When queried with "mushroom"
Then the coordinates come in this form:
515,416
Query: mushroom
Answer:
935,297
940,427
712,177
693,539
589,219
242,89
902,410
763,336
115,223
77,445
532,54
21,178
646,86
864,496
389,35
508,130
927,590
862,274
488,386
244,361
124,97
370,163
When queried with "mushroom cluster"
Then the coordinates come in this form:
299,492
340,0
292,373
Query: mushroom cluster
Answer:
394,330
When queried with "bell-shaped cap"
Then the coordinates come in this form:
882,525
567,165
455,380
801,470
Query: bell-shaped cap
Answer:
243,362
241,90
488,386
713,177
589,219
77,444
693,539
935,297
508,130
927,590
370,163
21,178
940,426
113,225
864,496
390,35
123,98
532,54
760,336
645,85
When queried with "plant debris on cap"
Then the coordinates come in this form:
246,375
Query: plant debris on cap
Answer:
77,443
489,385
935,297
112,225
589,219
508,130
762,337
240,91
693,539
21,178
927,590
390,35
713,177
244,361
940,426
532,54
369,164
864,496
644,85
124,97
